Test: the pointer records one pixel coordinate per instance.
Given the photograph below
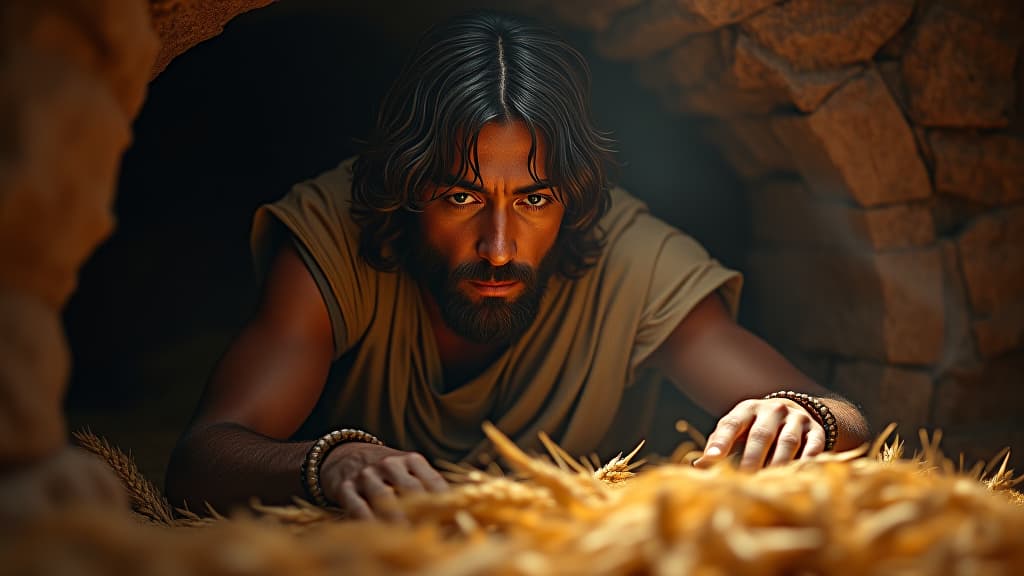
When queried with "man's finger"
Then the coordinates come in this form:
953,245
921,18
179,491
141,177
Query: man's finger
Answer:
721,441
788,442
379,494
759,439
426,473
353,503
815,442
395,472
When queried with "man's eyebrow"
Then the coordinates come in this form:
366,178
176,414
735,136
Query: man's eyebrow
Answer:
454,182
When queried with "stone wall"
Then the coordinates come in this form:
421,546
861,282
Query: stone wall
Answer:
881,144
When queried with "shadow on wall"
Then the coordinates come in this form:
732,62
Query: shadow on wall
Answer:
278,97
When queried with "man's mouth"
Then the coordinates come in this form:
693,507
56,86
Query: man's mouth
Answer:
495,289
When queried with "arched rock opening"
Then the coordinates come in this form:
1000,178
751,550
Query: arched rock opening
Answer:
879,146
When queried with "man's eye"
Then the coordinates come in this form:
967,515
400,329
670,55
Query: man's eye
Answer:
460,198
537,200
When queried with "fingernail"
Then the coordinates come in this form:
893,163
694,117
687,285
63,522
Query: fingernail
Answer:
713,451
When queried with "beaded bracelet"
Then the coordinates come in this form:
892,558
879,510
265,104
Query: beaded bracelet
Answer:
818,411
318,451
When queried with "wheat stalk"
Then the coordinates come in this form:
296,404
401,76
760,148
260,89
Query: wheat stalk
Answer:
619,469
146,499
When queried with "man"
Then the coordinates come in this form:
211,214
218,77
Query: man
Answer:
474,265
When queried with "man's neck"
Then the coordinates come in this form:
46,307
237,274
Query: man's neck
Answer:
461,358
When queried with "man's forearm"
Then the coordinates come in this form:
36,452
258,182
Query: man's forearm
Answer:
227,464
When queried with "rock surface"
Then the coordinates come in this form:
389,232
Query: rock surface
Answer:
813,35
983,168
659,24
72,77
958,73
993,261
181,24
857,146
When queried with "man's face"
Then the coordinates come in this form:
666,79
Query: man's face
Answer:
485,247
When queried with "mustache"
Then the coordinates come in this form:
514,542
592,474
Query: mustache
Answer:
484,271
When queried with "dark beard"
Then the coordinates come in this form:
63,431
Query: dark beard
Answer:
491,320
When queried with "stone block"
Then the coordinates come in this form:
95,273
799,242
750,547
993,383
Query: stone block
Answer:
723,12
886,307
895,226
887,394
724,74
814,35
892,73
857,145
914,312
988,169
1000,17
1000,334
785,213
659,24
750,146
593,15
988,393
992,260
757,68
754,69
958,73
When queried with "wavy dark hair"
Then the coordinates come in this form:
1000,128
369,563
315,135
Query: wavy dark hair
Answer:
463,74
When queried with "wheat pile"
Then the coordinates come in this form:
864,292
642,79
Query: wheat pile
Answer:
834,514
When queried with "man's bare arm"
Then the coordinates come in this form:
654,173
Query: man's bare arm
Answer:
727,370
261,392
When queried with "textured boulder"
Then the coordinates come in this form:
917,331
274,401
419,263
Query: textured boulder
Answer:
724,74
812,34
988,169
857,145
993,262
756,68
958,73
993,267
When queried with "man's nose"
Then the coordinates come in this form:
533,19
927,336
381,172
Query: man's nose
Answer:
496,243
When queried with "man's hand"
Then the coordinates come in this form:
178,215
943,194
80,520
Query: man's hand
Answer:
769,432
71,477
366,479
